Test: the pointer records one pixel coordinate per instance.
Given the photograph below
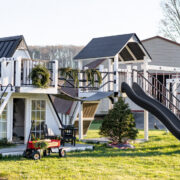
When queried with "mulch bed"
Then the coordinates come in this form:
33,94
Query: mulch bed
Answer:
122,146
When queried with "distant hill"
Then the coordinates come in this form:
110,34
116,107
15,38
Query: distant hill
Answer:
64,54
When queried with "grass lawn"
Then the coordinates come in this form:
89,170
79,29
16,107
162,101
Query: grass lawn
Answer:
157,159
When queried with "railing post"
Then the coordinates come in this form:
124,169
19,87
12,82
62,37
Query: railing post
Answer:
167,94
135,74
116,79
4,76
18,72
55,73
80,75
110,77
101,69
174,91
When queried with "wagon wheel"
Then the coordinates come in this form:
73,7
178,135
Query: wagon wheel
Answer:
36,155
62,153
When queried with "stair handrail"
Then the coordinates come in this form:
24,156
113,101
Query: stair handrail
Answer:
9,85
138,73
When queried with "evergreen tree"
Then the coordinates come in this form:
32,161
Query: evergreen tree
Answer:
119,123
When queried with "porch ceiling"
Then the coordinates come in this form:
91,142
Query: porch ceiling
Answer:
131,52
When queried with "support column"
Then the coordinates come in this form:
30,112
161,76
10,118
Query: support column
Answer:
116,79
146,113
129,77
80,120
135,74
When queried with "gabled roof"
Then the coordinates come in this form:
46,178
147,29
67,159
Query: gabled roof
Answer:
8,45
163,38
108,47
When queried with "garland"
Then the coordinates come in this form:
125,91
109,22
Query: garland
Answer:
91,73
40,76
40,144
73,74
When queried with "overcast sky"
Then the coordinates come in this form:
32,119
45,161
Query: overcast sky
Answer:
52,22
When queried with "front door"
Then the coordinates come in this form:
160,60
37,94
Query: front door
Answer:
18,120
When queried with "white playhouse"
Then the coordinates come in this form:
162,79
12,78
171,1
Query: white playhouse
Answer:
20,101
121,58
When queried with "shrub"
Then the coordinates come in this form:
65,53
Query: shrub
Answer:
4,142
119,123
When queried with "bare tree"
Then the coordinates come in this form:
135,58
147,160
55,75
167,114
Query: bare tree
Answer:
170,24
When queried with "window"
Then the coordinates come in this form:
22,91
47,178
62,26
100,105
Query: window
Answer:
38,115
3,124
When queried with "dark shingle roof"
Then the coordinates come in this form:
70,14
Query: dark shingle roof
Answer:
94,64
104,46
8,45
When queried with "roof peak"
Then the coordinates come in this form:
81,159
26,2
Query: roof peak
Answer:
163,38
114,36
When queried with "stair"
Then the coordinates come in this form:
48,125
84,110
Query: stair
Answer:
4,97
154,88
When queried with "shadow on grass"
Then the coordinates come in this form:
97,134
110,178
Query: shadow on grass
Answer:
103,151
138,152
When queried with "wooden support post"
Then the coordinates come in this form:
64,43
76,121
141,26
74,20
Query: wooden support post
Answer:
116,79
146,113
80,120
129,73
146,125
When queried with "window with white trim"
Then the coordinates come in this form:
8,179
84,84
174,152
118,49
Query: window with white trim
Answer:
3,124
38,116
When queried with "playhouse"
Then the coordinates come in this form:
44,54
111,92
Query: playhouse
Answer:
120,59
20,101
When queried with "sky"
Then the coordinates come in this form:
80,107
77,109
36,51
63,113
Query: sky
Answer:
76,22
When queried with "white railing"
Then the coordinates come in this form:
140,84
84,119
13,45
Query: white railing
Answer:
17,71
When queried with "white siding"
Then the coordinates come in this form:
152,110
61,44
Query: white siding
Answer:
163,53
51,118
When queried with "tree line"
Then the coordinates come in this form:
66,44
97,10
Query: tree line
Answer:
64,54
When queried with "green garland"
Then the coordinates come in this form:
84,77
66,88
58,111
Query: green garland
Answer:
90,75
40,76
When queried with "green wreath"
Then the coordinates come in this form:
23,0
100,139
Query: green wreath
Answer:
40,76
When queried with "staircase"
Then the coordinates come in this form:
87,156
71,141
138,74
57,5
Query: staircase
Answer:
5,96
157,90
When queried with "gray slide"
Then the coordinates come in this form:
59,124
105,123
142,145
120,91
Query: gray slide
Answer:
168,118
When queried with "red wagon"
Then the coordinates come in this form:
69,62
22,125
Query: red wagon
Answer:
35,149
